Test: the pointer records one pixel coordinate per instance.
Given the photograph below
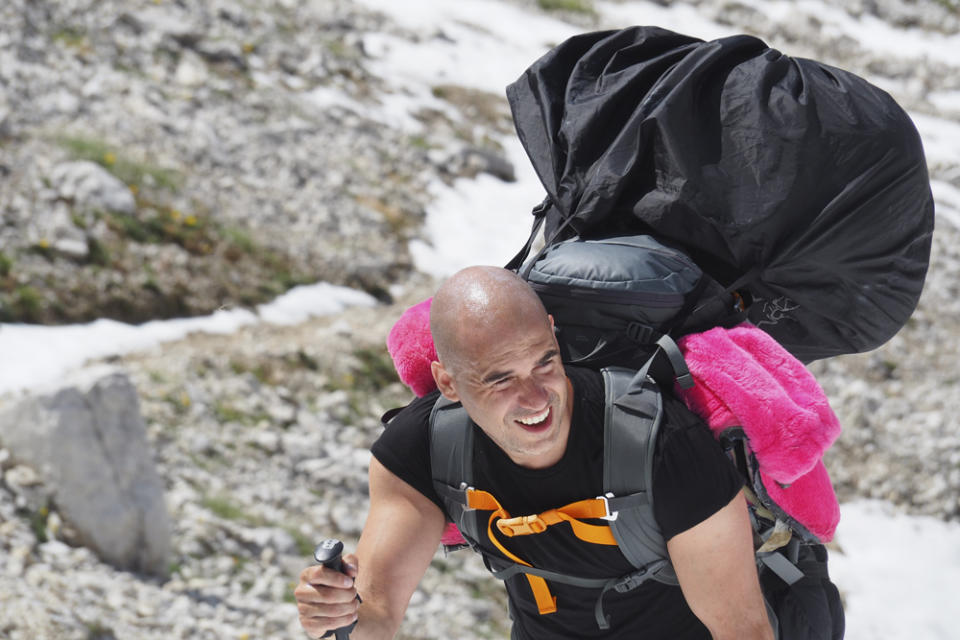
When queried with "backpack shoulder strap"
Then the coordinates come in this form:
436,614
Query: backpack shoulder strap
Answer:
451,462
633,412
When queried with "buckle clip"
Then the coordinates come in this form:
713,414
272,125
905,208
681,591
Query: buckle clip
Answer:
521,526
611,515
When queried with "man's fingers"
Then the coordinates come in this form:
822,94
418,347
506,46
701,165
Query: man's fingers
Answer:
319,595
307,610
318,626
322,576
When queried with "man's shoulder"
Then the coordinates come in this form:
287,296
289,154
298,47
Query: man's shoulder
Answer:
409,424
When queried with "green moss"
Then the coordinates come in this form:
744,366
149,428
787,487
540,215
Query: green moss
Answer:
27,303
97,253
224,508
375,370
6,264
228,413
579,6
130,171
71,37
38,523
305,544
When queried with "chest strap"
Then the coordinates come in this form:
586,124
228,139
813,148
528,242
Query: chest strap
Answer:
602,507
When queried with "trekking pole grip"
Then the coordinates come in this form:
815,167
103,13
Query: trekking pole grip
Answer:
328,554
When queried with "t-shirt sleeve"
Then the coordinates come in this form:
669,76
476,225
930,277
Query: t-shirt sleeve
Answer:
693,477
404,447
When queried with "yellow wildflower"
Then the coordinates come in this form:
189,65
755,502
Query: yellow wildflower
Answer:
109,159
190,221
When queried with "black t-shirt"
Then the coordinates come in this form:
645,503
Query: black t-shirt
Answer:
693,479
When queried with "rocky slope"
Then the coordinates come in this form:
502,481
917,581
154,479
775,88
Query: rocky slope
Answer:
162,159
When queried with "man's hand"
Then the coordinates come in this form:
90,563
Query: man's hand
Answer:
327,599
399,539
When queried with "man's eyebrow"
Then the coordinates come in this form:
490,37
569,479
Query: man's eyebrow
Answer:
549,355
495,376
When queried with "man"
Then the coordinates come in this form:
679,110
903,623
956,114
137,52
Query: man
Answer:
539,446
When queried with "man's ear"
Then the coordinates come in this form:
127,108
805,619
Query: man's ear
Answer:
444,381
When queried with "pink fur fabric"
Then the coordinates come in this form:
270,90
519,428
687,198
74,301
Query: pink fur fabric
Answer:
411,347
745,378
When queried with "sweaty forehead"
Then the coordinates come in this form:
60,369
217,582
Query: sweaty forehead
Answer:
494,354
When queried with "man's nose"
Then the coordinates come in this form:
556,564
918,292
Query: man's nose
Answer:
533,395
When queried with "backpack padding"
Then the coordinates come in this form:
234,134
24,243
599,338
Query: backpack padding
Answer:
630,435
451,463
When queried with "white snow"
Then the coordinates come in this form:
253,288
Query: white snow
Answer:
35,356
900,575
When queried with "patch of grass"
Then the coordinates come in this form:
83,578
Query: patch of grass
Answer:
71,37
420,142
194,233
305,544
375,370
952,5
6,264
225,508
26,304
130,171
578,6
38,523
99,631
228,413
97,253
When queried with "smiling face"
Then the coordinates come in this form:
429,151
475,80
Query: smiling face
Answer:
503,365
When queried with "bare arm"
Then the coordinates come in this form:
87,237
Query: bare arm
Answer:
715,565
398,542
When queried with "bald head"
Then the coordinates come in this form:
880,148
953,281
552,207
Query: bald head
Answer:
476,304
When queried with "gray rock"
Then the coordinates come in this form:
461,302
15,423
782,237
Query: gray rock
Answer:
89,185
87,440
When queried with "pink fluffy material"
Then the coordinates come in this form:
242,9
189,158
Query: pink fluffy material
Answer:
411,347
743,378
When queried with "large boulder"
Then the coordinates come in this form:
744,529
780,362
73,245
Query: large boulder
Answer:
88,442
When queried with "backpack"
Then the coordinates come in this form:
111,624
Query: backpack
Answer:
620,300
801,186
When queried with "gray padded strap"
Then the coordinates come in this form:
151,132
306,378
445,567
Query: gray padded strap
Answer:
631,423
451,461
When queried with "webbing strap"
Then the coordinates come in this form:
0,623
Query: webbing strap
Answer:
785,570
538,523
621,584
526,525
482,500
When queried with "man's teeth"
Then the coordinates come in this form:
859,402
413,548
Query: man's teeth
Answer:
536,419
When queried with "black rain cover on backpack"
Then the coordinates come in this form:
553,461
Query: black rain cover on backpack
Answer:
799,184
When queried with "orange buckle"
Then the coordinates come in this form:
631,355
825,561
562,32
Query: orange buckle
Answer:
521,526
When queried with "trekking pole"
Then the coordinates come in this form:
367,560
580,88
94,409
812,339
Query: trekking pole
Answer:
328,554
